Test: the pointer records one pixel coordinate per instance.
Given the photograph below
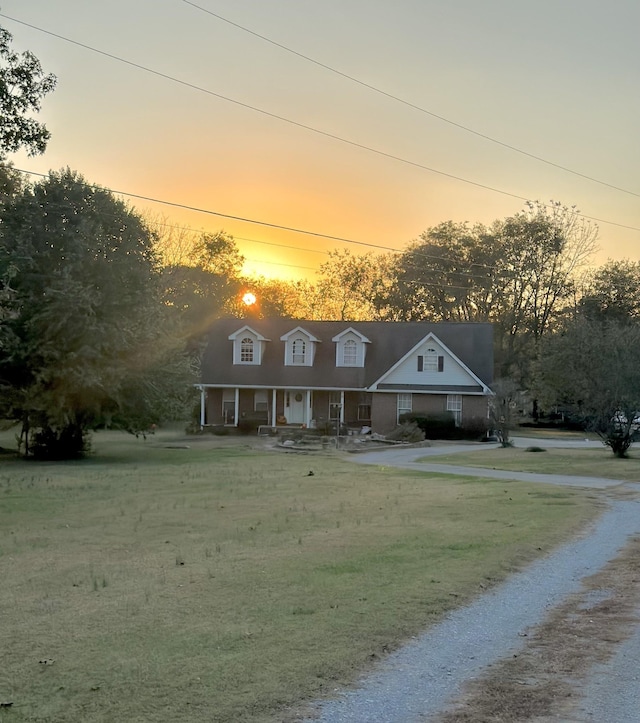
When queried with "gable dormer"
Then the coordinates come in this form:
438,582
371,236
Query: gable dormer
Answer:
299,347
430,364
350,348
248,346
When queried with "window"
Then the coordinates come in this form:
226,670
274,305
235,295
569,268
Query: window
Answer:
246,350
335,405
298,351
430,362
229,406
454,405
364,407
404,404
364,412
261,401
350,353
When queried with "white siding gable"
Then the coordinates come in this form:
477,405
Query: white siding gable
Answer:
430,363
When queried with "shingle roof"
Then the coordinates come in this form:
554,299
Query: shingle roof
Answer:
472,343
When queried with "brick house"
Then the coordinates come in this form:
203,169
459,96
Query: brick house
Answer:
360,374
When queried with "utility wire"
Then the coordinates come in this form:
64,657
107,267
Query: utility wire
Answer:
273,225
291,122
267,113
409,104
295,123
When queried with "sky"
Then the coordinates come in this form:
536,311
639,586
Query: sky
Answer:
235,114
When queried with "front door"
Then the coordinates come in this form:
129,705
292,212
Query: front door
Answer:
294,404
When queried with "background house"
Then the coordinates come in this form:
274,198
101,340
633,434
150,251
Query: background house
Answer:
288,371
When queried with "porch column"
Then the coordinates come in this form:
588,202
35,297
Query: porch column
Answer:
273,407
203,406
342,407
307,410
236,404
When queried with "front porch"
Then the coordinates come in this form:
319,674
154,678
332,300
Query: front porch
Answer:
281,407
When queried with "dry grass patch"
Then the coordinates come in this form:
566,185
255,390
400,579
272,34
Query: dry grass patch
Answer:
224,583
542,683
582,462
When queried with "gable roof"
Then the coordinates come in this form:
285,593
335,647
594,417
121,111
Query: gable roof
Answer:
390,342
431,337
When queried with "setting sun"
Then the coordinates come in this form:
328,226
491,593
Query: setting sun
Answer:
249,299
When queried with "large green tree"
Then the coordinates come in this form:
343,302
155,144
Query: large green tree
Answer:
23,85
82,326
592,368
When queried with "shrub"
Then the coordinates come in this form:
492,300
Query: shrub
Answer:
406,432
71,441
443,426
434,426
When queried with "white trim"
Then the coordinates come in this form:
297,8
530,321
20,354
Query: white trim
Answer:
203,406
486,391
362,337
311,337
246,327
273,407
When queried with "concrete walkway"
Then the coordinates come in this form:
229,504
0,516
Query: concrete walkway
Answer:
407,458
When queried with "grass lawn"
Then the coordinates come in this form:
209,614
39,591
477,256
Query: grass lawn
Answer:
225,583
598,462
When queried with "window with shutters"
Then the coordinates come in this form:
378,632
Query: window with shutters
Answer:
430,361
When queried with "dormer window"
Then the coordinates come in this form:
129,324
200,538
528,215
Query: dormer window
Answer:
350,353
350,348
298,351
248,346
246,350
299,348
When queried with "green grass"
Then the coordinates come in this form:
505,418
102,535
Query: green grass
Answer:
222,583
598,462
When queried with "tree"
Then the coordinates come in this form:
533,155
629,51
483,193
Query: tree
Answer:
543,249
593,369
502,409
82,322
201,277
448,274
347,287
612,293
23,85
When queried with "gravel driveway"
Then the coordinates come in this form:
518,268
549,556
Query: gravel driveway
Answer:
422,679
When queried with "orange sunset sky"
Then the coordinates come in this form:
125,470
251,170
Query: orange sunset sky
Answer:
197,126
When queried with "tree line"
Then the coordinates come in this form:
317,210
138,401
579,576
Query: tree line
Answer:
104,311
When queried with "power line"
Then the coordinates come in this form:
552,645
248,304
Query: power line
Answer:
210,212
407,282
268,224
267,113
409,104
292,122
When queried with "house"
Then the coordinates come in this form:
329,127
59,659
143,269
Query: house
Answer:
360,374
